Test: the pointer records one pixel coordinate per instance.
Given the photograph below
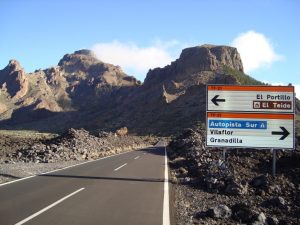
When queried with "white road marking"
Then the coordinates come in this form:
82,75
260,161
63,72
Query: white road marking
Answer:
144,153
48,207
120,167
166,210
13,181
25,178
137,157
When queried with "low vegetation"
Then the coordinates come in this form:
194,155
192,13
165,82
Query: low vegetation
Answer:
241,77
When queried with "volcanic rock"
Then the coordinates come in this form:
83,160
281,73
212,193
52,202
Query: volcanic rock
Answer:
236,188
260,182
259,219
242,212
220,211
272,220
122,131
238,182
77,145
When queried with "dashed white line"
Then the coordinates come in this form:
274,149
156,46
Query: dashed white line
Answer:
120,167
48,207
137,157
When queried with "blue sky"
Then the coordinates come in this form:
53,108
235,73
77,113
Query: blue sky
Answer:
139,35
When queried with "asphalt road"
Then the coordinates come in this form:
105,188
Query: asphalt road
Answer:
123,189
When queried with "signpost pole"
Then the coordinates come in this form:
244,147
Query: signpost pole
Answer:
224,155
274,163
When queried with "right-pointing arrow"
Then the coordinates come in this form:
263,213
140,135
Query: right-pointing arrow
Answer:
284,133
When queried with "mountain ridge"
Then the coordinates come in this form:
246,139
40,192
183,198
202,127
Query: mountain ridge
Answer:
83,91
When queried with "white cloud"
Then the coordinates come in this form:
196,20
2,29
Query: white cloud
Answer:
256,50
135,59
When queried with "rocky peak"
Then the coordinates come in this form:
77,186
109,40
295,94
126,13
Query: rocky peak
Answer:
209,58
83,65
13,80
84,52
79,60
14,65
195,63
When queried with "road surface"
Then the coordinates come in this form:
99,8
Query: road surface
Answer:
124,189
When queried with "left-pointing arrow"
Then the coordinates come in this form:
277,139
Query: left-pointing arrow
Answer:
215,100
284,133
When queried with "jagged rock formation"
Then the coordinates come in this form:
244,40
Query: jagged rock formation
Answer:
193,62
83,65
83,91
197,65
13,80
78,81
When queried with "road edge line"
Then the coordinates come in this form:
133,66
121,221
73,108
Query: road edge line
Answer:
48,207
166,204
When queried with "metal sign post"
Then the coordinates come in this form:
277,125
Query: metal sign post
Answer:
274,163
224,155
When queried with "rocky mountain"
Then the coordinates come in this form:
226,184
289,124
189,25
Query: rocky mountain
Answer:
77,82
82,91
173,97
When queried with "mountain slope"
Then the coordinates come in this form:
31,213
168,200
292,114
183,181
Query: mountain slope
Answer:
82,91
174,97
